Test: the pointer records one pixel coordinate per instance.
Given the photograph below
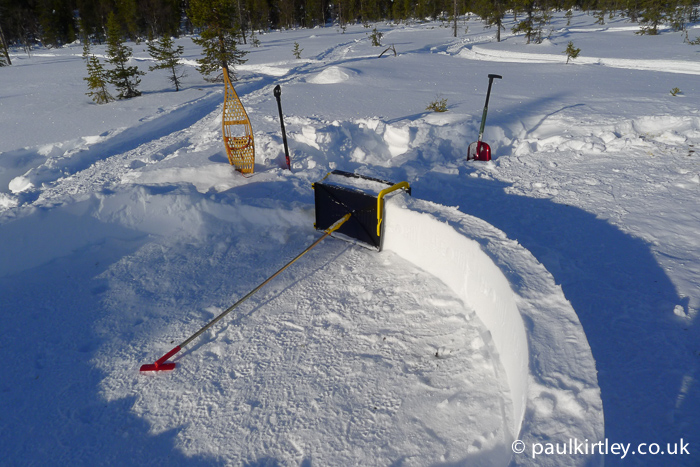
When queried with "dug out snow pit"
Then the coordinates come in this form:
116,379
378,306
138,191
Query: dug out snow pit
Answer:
445,347
549,368
355,358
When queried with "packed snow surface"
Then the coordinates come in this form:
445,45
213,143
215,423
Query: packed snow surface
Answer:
123,230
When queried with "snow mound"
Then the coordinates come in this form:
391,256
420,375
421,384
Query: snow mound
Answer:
331,75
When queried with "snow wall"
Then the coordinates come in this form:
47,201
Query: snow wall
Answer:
540,342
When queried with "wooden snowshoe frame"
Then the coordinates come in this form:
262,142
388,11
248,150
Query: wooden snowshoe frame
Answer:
238,134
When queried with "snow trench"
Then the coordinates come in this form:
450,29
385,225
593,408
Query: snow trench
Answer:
531,323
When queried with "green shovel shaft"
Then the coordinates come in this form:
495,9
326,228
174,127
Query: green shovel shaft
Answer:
486,105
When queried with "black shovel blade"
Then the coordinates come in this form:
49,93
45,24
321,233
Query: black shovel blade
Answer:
479,151
333,202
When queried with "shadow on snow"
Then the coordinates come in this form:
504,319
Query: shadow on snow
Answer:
624,300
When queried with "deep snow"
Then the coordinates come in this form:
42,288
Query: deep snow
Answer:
123,229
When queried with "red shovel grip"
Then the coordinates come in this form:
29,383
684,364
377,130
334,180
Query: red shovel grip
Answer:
160,364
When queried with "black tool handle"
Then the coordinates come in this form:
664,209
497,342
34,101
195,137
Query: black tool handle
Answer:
488,93
278,94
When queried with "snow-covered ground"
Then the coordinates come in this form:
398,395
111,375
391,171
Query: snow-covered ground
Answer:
123,230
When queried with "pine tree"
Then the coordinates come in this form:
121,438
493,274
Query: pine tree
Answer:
376,37
218,38
4,53
653,15
569,14
86,50
314,13
571,51
259,14
493,12
534,21
125,78
297,51
167,58
286,9
55,21
97,81
127,15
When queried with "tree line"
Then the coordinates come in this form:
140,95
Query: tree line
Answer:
223,24
53,23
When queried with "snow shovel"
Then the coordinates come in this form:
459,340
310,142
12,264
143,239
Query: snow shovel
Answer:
478,150
162,364
278,94
334,208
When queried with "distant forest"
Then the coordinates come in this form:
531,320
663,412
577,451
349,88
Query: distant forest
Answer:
53,23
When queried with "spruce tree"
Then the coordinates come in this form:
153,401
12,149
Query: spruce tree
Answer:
314,13
297,51
259,14
4,53
218,37
654,13
97,81
124,77
127,14
534,21
167,58
571,51
492,13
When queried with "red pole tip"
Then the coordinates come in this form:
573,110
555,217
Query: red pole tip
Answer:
156,367
160,364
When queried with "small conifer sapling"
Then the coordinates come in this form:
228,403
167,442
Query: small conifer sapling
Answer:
97,81
438,105
376,37
297,51
571,51
167,57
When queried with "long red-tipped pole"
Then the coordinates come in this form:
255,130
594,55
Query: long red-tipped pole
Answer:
162,364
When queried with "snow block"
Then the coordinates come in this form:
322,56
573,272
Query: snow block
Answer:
540,342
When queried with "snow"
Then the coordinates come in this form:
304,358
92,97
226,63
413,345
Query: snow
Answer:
330,75
547,295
